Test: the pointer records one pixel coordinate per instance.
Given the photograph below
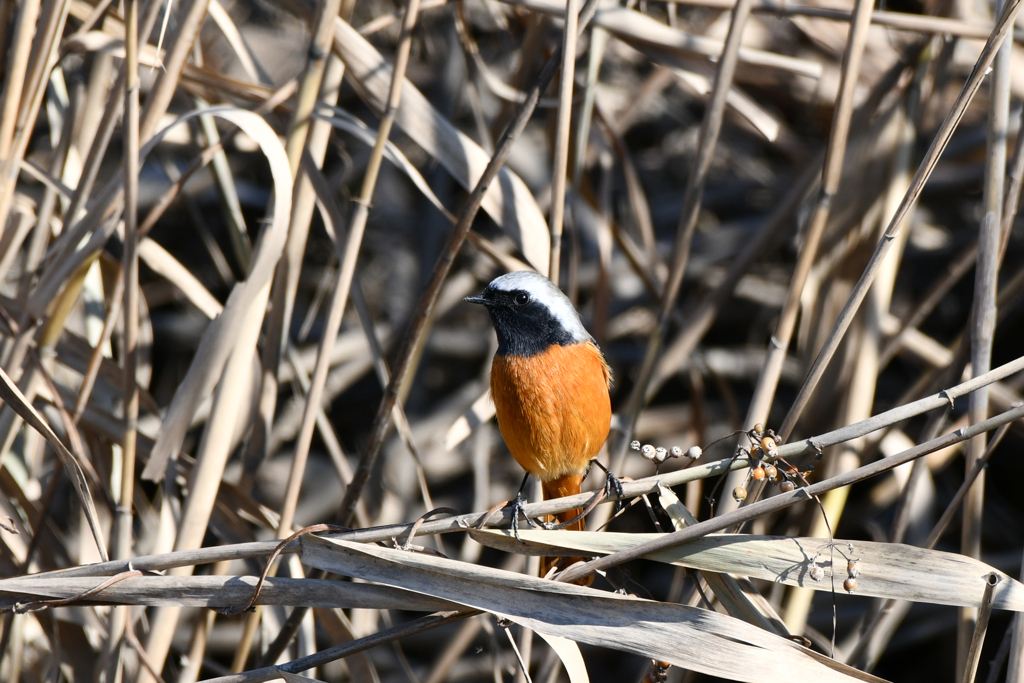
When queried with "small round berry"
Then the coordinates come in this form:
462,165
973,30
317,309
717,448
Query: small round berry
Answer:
739,493
694,452
817,573
635,445
648,451
769,446
853,569
786,486
676,451
757,474
770,471
758,428
660,454
850,585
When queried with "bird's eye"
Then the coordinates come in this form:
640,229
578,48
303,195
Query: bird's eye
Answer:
522,298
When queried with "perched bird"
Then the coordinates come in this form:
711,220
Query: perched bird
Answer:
549,382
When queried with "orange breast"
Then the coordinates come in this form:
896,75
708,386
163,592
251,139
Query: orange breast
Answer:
553,408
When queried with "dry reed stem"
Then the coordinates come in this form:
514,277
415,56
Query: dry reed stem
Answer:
866,365
835,153
51,18
980,629
17,69
561,161
121,541
983,322
241,320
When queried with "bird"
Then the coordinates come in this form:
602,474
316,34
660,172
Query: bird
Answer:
550,386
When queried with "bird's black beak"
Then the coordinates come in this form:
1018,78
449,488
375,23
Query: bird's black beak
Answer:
476,300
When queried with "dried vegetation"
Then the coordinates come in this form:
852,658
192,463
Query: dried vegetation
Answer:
235,239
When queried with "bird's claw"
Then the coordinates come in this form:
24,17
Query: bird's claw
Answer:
613,485
518,505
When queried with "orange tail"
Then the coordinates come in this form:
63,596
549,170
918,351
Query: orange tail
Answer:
568,485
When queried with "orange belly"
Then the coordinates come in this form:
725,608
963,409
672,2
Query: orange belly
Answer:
553,408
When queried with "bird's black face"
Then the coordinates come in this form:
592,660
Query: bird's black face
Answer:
525,326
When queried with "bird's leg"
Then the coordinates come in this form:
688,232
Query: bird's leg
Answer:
518,506
612,485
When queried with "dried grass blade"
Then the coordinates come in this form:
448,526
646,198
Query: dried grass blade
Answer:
246,57
481,411
569,653
218,592
163,263
12,396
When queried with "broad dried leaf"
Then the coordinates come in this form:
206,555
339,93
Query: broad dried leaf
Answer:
688,637
887,570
